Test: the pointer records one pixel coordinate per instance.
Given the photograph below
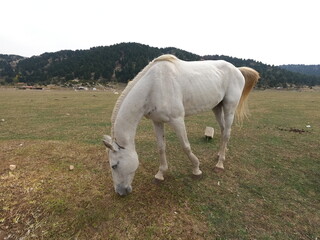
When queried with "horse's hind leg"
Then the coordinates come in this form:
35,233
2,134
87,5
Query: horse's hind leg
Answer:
180,129
228,112
159,130
218,111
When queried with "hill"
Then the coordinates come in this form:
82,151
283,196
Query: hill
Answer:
313,70
8,64
120,63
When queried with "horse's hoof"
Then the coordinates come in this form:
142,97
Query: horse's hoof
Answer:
196,177
197,172
218,170
159,177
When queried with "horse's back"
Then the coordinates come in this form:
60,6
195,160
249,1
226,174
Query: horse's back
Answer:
187,88
206,83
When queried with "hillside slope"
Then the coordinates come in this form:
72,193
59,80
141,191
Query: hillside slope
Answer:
313,70
120,63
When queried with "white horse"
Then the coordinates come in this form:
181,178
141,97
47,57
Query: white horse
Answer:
166,91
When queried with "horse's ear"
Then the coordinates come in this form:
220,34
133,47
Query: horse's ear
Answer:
107,140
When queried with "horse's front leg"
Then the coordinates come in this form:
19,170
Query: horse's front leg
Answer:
180,129
159,130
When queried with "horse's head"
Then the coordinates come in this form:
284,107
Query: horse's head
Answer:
124,163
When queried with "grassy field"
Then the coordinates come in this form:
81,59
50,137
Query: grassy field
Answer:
270,188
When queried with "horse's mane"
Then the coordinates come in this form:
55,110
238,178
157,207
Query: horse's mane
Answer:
131,84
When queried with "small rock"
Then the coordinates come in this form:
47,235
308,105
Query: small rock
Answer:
209,132
2,120
71,167
308,126
12,167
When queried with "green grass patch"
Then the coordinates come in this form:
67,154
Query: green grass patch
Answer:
269,189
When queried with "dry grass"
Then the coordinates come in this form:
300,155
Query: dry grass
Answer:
269,190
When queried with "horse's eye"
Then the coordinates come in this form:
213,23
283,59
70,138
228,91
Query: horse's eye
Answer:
114,166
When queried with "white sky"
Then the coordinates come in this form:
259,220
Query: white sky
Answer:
270,31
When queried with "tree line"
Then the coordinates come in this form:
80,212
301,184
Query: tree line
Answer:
120,63
304,69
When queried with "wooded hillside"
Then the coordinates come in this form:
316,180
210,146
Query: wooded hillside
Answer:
120,63
313,70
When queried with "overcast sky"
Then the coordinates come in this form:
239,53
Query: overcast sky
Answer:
271,31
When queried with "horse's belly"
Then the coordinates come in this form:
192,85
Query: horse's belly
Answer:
200,104
202,99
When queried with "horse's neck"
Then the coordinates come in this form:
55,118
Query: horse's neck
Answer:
130,113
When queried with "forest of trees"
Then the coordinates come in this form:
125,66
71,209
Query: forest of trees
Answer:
120,63
313,70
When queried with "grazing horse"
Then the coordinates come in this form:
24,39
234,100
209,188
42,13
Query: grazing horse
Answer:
166,91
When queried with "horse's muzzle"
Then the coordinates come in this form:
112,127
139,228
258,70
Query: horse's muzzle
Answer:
122,190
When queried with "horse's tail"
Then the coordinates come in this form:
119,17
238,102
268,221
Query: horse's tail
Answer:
251,77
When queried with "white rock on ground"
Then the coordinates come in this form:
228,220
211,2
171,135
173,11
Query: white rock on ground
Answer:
12,167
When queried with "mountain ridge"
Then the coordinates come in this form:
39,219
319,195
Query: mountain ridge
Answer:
313,69
120,63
